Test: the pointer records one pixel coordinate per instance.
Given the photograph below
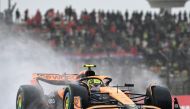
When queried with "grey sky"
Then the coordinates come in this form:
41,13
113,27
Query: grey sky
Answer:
79,5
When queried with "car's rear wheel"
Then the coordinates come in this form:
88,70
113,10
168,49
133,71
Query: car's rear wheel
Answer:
27,97
72,91
159,96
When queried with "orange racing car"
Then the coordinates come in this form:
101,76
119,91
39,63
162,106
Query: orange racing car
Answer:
87,90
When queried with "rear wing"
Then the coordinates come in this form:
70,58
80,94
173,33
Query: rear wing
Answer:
55,77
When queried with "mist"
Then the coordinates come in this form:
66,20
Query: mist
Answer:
22,54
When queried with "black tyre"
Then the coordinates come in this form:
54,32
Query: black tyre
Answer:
75,90
28,96
159,96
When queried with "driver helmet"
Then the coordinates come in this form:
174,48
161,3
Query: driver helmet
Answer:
94,83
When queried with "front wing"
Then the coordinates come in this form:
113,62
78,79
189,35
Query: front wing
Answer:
78,105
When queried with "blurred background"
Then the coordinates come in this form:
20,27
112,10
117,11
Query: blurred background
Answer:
137,41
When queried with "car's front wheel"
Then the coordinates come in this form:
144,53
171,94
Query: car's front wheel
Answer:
75,91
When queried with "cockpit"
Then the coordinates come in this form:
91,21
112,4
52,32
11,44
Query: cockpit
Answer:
90,78
97,81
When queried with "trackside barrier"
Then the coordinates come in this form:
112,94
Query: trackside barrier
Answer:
183,100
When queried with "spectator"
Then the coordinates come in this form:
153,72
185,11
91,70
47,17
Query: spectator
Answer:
26,15
37,19
1,16
143,33
17,14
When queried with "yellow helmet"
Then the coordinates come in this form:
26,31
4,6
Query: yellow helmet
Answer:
94,82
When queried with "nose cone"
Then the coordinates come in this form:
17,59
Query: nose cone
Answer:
118,95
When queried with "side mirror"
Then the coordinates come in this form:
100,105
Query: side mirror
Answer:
129,85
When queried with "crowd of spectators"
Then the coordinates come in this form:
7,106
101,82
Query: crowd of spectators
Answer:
161,38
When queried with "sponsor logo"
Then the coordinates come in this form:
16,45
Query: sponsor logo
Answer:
51,77
77,102
51,101
55,77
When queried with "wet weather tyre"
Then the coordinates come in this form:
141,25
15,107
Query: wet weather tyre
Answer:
159,96
27,95
75,90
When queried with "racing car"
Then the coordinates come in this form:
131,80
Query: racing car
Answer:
87,90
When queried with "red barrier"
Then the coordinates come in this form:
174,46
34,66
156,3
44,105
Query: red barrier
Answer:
184,101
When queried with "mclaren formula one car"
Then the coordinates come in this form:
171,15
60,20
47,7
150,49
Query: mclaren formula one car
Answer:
87,90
